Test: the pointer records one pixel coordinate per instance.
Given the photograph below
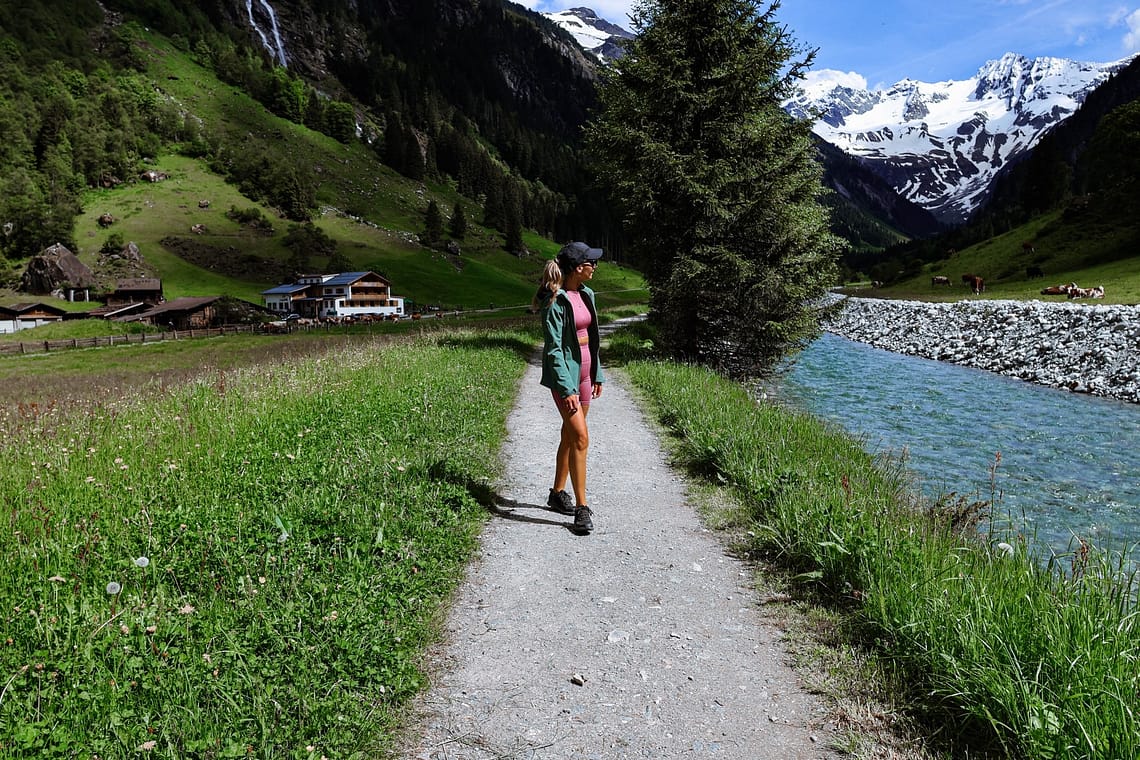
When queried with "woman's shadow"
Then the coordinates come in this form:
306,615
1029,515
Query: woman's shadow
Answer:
498,505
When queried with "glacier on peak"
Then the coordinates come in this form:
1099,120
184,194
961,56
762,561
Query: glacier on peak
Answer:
941,144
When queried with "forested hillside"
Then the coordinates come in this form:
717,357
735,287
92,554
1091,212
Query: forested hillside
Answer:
89,99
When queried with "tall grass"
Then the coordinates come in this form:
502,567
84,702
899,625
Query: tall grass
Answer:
1037,658
247,565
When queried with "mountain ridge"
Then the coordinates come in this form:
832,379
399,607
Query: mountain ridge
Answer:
942,144
592,32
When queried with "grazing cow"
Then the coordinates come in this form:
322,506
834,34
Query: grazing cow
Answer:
105,220
876,284
203,204
939,280
198,229
975,283
1034,272
1028,247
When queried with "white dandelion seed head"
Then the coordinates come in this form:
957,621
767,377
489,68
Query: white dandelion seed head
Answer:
142,561
113,588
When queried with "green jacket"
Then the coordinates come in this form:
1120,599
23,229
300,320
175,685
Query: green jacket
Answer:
561,353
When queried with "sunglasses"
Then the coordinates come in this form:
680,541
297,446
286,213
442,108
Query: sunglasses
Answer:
591,264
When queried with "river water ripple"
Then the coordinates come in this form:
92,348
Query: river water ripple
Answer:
1070,464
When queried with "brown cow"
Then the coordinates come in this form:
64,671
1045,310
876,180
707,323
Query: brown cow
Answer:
105,220
975,283
1059,290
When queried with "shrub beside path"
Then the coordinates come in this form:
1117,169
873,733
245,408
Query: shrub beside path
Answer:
639,640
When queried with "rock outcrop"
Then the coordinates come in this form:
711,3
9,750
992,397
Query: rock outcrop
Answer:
55,269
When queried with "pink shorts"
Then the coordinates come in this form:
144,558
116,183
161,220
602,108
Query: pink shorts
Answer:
585,394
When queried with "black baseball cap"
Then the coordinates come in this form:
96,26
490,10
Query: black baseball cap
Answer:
578,253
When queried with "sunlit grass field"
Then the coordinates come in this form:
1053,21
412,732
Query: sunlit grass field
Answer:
246,562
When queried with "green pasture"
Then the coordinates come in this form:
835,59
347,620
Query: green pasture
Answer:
242,560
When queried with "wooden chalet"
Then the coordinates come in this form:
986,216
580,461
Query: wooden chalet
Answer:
188,313
136,290
22,316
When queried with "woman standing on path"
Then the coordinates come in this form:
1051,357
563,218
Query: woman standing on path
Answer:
572,372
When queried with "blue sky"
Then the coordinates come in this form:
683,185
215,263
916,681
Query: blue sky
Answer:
884,41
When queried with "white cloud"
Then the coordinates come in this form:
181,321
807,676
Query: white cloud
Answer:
1132,39
832,77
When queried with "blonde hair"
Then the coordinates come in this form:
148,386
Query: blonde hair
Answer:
550,283
552,276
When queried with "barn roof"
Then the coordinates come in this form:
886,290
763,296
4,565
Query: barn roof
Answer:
177,306
138,283
24,308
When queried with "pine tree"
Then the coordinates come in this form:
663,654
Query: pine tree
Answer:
458,224
718,186
433,225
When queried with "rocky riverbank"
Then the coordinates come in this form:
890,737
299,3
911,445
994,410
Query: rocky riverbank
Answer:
1082,347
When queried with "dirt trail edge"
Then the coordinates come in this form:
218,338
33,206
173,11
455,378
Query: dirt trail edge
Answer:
640,640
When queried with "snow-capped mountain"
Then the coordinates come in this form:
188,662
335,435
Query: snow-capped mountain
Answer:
593,33
940,145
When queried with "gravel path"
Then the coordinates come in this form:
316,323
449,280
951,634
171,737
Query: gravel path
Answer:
641,640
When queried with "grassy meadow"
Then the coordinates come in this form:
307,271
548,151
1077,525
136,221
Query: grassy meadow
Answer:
1067,247
998,651
240,561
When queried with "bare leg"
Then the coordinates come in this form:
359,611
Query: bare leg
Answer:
572,447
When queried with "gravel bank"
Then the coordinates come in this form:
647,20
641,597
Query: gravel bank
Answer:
1082,347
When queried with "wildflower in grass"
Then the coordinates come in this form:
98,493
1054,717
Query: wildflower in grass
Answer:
186,609
113,590
1004,549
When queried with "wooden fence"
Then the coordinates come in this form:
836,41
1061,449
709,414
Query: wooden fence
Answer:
41,346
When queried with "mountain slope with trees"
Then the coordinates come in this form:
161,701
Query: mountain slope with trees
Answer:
376,102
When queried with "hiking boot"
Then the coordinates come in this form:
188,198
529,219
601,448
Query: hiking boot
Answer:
582,521
561,502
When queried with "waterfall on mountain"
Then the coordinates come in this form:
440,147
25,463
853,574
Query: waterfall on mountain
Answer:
276,48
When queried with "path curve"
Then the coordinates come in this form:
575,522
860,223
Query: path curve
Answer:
648,613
